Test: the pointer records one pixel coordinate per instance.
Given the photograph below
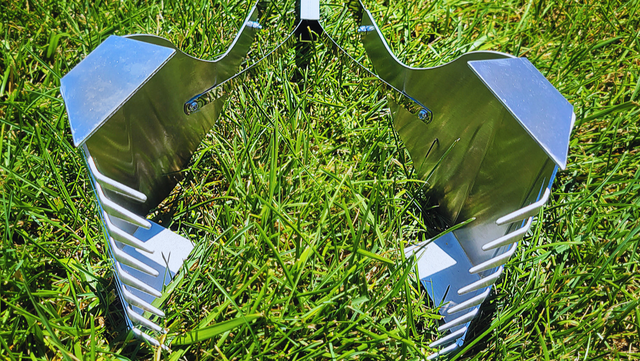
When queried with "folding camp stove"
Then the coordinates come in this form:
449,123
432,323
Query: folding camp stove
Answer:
486,131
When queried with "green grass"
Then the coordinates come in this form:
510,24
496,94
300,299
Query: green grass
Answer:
305,201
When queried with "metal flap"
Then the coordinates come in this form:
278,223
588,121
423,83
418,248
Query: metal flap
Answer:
545,114
98,86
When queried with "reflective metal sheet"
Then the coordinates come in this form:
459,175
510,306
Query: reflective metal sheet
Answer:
463,133
126,106
99,85
145,139
532,100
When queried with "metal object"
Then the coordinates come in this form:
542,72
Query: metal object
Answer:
499,133
486,131
125,103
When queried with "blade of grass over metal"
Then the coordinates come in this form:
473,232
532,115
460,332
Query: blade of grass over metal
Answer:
206,333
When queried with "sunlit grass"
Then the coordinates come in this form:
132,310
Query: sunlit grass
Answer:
305,201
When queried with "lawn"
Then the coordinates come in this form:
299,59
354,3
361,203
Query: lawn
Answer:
301,200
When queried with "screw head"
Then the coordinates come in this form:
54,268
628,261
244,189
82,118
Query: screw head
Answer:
423,114
366,28
193,106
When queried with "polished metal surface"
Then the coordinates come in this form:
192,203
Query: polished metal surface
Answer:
498,133
486,131
531,99
98,87
146,255
309,10
128,110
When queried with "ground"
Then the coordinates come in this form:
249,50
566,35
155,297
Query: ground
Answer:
301,200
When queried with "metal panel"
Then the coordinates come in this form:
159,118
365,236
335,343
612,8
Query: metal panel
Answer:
127,106
99,85
148,139
532,100
487,152
310,10
484,130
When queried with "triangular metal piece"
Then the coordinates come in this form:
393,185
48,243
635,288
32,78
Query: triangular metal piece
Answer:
532,100
114,71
